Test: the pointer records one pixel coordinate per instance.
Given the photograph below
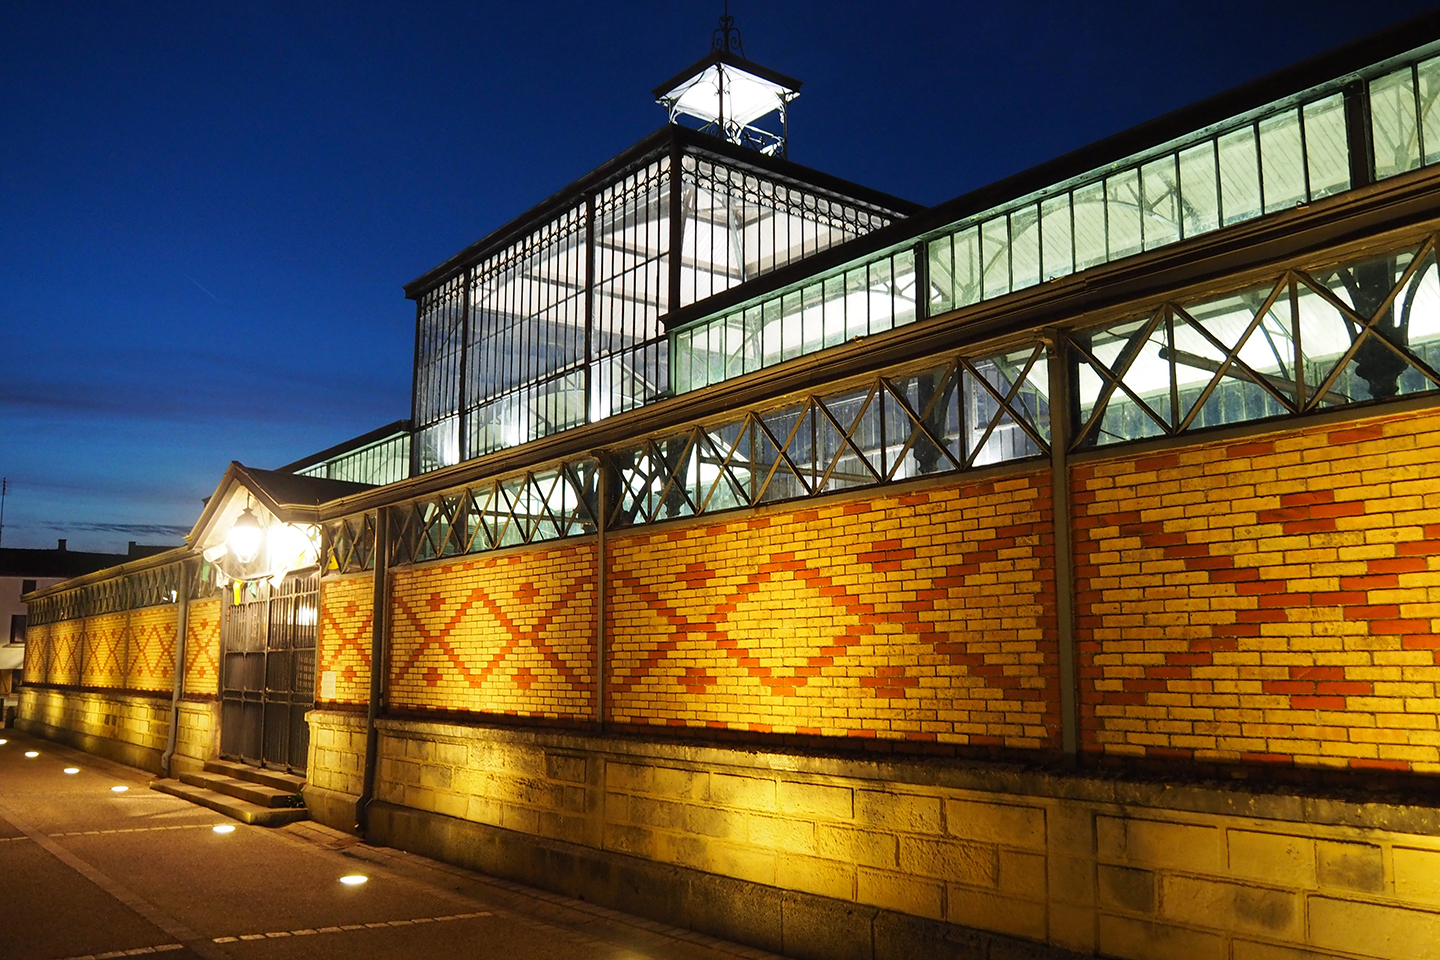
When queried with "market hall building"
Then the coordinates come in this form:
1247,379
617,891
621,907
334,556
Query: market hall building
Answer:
1053,569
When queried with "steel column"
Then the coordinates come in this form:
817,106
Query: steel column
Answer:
379,646
1060,429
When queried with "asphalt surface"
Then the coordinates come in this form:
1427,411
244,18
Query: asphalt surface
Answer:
91,871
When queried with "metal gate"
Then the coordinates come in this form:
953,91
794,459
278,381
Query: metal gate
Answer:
267,674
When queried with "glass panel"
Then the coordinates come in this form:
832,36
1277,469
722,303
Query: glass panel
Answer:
856,414
1239,176
1122,214
935,399
1327,152
1059,246
857,302
903,274
1429,109
995,247
1395,134
833,310
1282,165
1161,203
1089,203
967,267
1199,202
942,275
1025,247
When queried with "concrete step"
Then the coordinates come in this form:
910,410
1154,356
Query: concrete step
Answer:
242,810
269,778
258,794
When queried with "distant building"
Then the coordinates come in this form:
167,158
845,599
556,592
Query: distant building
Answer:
23,571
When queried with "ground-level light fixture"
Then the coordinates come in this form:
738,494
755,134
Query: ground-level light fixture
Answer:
245,536
72,769
118,789
353,879
32,754
3,742
224,828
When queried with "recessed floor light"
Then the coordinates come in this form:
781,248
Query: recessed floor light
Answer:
3,742
32,754
72,769
224,828
354,879
118,789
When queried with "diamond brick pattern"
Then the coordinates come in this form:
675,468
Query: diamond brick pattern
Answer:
511,635
347,616
923,616
1266,601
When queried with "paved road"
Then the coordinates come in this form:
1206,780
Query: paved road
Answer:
91,871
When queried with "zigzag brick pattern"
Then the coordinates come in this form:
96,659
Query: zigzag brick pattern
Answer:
202,648
151,660
66,641
512,634
1271,600
106,638
38,642
923,616
347,615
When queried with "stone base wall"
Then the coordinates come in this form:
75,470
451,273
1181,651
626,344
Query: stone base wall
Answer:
834,856
130,728
335,770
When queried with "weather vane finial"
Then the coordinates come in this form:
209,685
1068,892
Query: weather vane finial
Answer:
727,35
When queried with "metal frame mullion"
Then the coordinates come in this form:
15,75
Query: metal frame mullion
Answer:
847,438
951,374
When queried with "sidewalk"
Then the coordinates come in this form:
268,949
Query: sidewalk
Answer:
90,870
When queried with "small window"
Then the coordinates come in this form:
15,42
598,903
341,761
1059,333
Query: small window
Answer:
27,586
17,628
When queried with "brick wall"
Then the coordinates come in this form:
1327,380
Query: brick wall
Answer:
510,634
926,615
150,649
66,639
1273,600
347,615
106,642
202,648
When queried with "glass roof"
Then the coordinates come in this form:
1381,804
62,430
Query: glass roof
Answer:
726,93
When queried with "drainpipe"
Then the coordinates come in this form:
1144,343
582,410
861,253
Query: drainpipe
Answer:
379,640
182,628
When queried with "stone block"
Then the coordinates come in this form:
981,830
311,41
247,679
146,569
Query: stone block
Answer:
1155,842
1276,858
897,811
968,863
1250,950
742,793
1146,940
1072,879
816,800
559,766
827,878
1070,828
817,929
1072,927
1006,824
1126,888
1231,906
782,834
856,846
989,911
1350,866
1373,930
624,838
895,891
1417,875
1022,875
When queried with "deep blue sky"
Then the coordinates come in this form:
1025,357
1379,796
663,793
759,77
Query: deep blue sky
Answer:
207,210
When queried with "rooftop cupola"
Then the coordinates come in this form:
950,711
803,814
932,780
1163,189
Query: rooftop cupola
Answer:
730,97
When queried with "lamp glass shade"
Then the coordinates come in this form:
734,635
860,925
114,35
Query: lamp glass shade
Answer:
245,536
